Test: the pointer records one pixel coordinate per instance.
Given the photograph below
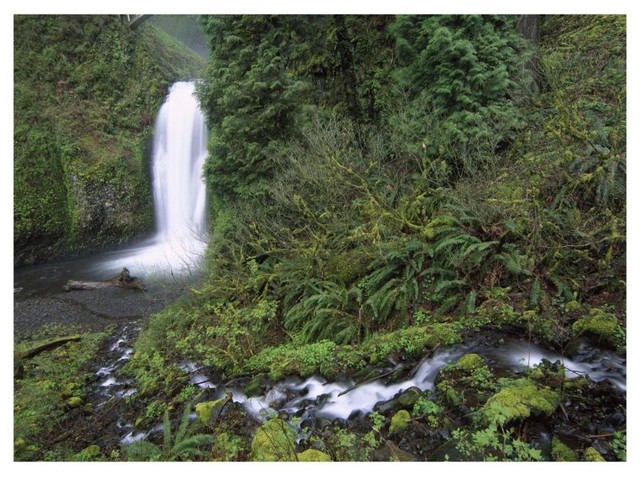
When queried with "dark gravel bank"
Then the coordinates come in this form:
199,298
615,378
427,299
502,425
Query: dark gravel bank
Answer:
89,310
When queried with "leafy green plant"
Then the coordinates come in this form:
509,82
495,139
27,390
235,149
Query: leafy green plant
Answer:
619,445
495,441
429,410
184,444
330,313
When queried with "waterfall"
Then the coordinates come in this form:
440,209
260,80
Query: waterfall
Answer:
179,152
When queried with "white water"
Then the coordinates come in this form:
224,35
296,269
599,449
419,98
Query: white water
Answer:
179,152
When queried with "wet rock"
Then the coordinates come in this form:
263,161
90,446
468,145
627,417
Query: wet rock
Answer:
405,399
616,419
392,452
409,397
601,447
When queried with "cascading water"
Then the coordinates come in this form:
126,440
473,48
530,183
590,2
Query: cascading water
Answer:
179,152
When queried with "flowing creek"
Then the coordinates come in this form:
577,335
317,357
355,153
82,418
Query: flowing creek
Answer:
313,398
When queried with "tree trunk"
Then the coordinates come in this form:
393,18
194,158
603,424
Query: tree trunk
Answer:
124,280
529,28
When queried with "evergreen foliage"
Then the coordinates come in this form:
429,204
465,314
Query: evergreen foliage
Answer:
461,75
250,99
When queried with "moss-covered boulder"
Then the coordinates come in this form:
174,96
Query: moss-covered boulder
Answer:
274,441
399,422
389,451
519,400
204,410
561,452
313,455
591,454
601,326
74,402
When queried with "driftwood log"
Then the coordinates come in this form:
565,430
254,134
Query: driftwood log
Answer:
124,280
18,366
53,344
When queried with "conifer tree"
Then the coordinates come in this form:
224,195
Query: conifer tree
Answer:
461,75
250,98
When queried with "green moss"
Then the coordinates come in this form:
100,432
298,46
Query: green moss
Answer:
273,441
53,383
601,325
470,362
399,422
74,402
331,360
313,455
204,410
468,380
591,454
90,453
518,401
561,452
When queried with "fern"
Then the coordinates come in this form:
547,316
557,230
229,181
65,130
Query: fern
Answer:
470,304
328,313
512,261
534,297
185,445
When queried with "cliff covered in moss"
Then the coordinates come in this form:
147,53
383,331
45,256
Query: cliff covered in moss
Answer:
86,92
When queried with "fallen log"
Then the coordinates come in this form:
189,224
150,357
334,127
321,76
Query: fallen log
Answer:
47,346
124,280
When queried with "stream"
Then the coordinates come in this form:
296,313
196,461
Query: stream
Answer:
314,398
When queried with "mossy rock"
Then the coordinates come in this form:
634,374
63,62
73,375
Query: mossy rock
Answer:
409,397
561,452
74,402
254,387
601,325
399,422
468,380
204,410
572,306
273,441
90,453
591,454
313,455
518,401
389,451
470,362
